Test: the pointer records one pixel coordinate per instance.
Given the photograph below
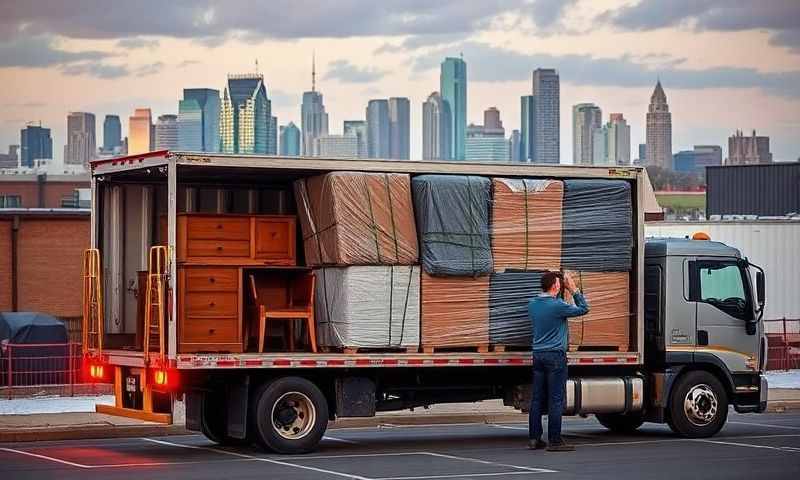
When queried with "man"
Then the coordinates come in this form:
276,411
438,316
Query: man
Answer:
549,315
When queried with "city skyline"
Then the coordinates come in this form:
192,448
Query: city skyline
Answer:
608,53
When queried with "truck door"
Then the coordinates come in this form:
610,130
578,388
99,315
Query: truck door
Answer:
720,289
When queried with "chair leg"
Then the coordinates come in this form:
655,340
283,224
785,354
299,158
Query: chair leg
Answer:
312,332
262,320
291,334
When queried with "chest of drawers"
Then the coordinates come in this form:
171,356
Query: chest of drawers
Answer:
209,309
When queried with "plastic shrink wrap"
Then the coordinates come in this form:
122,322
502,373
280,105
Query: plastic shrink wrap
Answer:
509,293
368,306
357,218
607,325
455,312
452,213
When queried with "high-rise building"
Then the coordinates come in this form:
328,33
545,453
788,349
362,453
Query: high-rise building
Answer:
112,133
167,132
436,125
586,118
744,150
659,130
515,146
10,159
81,139
642,160
706,156
527,108
35,144
290,140
246,123
546,116
140,132
378,129
359,129
453,89
336,146
487,142
600,146
198,120
619,140
313,119
399,128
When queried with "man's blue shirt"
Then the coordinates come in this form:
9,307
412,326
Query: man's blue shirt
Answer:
549,315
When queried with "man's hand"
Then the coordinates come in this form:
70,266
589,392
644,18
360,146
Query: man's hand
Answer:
569,283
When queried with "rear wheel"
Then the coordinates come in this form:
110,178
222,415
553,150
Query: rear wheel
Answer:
214,420
620,423
698,405
290,415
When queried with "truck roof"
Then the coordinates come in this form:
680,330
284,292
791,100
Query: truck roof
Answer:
662,247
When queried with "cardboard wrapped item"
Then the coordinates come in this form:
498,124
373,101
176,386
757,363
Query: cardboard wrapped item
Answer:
526,224
608,322
368,306
455,312
452,213
509,294
357,218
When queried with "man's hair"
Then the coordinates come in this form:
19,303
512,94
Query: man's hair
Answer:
549,279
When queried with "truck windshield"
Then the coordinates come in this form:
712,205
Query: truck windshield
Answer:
721,284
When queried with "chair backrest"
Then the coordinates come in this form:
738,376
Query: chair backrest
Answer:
269,289
303,290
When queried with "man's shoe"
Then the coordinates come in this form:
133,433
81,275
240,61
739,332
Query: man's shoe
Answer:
560,447
537,444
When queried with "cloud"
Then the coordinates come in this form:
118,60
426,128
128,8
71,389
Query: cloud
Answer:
95,69
188,63
546,13
346,72
42,51
149,69
137,42
492,64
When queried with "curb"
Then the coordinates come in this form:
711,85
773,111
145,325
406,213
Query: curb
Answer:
783,406
78,432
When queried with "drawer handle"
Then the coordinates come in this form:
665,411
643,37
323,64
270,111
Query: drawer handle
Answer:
219,248
212,279
212,304
211,331
219,226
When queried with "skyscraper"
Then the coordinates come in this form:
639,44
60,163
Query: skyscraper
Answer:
586,118
399,128
359,129
336,146
198,120
436,125
140,132
290,140
527,109
35,143
453,88
600,146
246,122
487,142
112,133
619,140
515,146
546,101
81,139
642,160
744,150
659,130
313,119
167,132
378,129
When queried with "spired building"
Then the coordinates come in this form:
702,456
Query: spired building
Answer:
453,91
246,123
436,125
81,140
290,140
198,120
749,150
659,130
586,118
313,119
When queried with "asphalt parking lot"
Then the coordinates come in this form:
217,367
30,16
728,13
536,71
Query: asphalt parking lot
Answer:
751,446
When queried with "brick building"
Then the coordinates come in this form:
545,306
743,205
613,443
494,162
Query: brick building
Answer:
41,190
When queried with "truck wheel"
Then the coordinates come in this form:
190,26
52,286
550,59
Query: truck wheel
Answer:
213,421
698,405
620,423
290,415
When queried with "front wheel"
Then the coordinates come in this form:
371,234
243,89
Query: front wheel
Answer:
698,405
620,423
290,415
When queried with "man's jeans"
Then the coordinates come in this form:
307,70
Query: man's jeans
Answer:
549,384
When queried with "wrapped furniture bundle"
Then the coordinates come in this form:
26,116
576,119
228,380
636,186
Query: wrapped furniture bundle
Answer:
597,226
452,213
357,218
368,306
608,322
455,312
509,293
526,224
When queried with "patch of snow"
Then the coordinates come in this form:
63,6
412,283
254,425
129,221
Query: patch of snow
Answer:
784,379
53,404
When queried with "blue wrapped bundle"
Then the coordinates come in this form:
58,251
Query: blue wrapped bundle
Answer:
509,293
452,213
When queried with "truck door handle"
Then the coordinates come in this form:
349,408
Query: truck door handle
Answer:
702,337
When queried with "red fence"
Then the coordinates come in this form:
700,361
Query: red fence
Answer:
783,339
50,369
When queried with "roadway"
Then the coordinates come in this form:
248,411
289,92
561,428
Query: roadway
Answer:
750,447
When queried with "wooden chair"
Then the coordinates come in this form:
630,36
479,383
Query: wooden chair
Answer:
294,302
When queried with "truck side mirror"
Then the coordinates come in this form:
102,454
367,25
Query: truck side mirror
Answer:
760,289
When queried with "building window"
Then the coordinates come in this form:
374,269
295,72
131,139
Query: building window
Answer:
10,201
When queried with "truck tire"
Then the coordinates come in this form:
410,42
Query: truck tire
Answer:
620,423
698,405
214,422
289,415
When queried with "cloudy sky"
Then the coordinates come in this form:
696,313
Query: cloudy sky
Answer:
725,64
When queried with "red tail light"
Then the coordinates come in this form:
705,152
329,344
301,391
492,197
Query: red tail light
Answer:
95,370
164,379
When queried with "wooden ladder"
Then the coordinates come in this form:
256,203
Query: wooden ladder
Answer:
93,322
157,278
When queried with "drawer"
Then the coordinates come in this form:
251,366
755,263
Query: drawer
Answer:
212,279
217,228
210,330
211,304
275,238
218,248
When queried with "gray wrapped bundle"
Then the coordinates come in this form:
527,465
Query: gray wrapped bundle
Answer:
452,213
509,293
597,226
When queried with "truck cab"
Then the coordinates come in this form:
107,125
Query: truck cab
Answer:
705,346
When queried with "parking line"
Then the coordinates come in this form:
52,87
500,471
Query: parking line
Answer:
342,440
45,457
496,464
458,475
737,444
765,425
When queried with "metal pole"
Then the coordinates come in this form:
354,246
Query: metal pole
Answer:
71,370
10,372
785,346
